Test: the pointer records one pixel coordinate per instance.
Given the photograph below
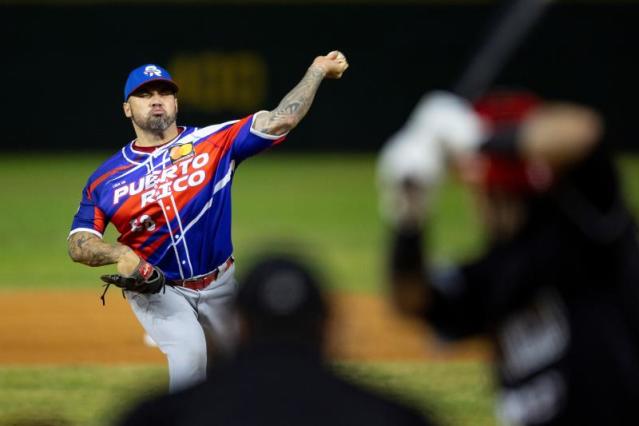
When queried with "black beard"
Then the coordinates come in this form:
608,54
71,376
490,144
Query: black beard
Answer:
154,123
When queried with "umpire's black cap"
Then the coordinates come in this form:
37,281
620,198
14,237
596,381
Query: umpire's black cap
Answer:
280,295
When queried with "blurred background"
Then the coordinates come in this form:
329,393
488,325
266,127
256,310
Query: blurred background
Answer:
66,359
65,62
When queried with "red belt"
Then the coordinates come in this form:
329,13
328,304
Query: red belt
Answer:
203,282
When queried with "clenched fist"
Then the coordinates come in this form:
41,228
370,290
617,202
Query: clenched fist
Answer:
333,64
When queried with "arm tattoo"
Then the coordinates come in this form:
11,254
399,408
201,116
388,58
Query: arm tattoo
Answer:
295,104
90,250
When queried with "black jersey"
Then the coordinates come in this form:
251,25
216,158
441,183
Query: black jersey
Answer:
560,301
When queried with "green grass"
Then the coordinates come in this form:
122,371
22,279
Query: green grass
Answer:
453,393
458,393
326,204
74,395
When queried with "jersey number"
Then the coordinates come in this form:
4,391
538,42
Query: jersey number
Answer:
142,223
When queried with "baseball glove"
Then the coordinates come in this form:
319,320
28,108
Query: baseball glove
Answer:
147,279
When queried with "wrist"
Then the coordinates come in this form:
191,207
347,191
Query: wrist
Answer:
317,69
128,262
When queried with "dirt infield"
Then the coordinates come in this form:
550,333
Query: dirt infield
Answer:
72,327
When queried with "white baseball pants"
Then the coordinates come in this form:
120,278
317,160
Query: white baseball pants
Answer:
190,326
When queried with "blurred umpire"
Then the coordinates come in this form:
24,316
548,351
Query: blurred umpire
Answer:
279,375
557,288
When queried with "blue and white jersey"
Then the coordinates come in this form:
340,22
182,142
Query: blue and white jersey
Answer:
172,206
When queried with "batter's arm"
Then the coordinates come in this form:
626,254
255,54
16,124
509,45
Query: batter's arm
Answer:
297,102
560,133
409,284
91,250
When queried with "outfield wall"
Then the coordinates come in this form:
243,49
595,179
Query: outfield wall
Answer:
64,66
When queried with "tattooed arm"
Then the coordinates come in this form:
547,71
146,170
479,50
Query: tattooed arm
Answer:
91,250
297,102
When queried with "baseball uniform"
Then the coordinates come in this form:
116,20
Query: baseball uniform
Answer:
172,206
557,296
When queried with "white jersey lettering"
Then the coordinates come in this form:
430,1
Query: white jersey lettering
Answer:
162,183
120,192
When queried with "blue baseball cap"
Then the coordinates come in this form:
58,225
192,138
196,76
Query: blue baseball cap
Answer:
146,74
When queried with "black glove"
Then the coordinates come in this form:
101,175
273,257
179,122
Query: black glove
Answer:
146,279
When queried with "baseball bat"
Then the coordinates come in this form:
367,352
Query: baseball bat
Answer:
508,32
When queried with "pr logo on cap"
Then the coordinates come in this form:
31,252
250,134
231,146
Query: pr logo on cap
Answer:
152,70
145,74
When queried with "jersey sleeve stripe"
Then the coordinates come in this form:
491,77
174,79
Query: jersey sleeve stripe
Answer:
209,130
89,230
